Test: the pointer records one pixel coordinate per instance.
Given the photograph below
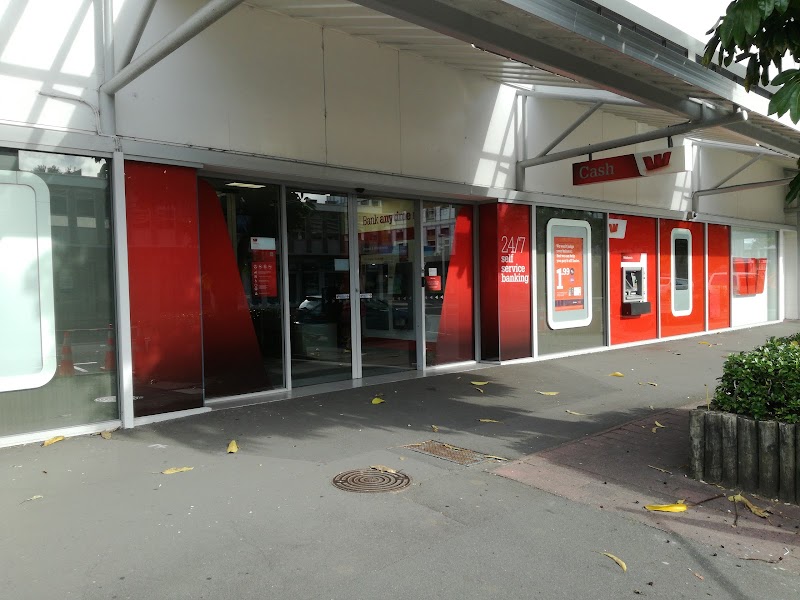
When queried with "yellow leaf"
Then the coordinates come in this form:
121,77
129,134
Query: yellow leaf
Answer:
479,382
480,390
495,457
659,424
383,469
173,470
677,507
617,560
654,429
106,435
52,440
233,447
378,400
435,428
759,512
36,497
705,343
488,421
577,414
616,374
546,393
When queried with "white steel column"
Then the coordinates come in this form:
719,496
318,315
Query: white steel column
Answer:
706,293
607,283
355,286
418,298
285,316
534,287
122,291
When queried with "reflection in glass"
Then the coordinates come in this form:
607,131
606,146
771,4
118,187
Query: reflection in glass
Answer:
448,273
387,253
755,276
241,274
319,287
84,387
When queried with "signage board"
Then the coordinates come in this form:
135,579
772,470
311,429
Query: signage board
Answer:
627,166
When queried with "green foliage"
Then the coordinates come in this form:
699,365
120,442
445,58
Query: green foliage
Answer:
761,33
763,383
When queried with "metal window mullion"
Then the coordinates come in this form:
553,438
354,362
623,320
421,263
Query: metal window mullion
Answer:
476,282
284,271
419,297
533,287
658,278
355,291
781,287
122,291
607,283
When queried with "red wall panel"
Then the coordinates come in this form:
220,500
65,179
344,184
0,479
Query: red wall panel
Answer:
694,322
638,236
455,339
164,271
719,276
233,363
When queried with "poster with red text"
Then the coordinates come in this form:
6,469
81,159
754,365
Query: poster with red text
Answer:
264,267
568,289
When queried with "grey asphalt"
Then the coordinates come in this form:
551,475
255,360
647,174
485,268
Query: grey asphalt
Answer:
267,522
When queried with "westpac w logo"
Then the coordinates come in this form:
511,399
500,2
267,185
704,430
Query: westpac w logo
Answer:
656,161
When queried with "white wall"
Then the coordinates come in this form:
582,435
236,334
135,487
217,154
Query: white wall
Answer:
262,83
791,306
48,47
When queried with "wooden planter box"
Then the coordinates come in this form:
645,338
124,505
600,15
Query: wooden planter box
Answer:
759,457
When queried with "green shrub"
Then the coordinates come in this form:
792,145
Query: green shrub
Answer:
763,383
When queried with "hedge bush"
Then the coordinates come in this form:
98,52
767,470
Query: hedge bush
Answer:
763,383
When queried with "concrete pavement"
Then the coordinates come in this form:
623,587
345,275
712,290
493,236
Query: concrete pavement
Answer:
267,523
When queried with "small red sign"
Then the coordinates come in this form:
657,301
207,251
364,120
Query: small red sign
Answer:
264,273
433,283
627,166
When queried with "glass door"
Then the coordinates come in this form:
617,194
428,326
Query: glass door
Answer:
389,282
320,323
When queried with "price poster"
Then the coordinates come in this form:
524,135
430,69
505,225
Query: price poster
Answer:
264,267
569,273
568,291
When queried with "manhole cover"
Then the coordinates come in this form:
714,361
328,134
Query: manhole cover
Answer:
462,456
371,480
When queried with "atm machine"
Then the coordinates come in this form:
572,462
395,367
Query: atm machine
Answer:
634,285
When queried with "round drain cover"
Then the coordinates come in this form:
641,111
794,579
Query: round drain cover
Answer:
370,480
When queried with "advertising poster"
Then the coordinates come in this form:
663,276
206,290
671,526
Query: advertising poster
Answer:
264,267
568,265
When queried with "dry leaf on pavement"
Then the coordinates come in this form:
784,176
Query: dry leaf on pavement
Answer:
546,393
677,507
383,468
577,414
616,374
434,428
173,470
759,512
52,441
617,560
106,435
233,447
488,421
36,497
378,400
479,382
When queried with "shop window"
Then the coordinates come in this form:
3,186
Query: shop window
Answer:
681,276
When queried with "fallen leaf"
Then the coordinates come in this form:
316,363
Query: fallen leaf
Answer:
479,382
37,497
378,400
495,457
546,393
435,428
653,383
616,374
700,577
488,421
577,414
658,424
617,560
480,390
383,468
705,343
106,435
660,469
677,507
651,407
173,470
52,441
233,447
759,512
654,429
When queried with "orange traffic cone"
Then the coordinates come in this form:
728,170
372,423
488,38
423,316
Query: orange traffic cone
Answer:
66,368
111,353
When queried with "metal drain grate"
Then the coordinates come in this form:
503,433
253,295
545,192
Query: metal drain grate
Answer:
371,480
462,456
